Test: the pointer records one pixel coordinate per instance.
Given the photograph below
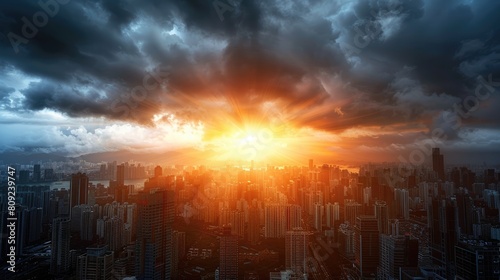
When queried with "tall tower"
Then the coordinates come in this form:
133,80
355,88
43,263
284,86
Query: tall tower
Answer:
179,247
382,214
59,259
296,251
228,266
332,214
318,216
366,246
153,246
120,174
438,163
402,197
443,235
79,189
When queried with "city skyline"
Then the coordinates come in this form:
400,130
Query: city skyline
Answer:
250,139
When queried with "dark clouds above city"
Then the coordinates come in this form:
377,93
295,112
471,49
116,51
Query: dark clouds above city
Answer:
368,80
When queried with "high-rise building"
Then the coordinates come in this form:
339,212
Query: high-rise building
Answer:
120,175
79,189
318,217
346,241
366,246
293,215
59,258
396,251
465,211
476,259
121,193
332,214
178,249
228,258
296,251
37,173
382,214
153,246
87,225
438,163
237,221
97,264
352,210
253,234
443,235
402,198
275,222
114,233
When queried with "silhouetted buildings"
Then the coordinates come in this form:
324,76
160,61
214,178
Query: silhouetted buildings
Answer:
228,258
296,246
396,251
444,232
366,246
60,259
153,247
120,175
438,163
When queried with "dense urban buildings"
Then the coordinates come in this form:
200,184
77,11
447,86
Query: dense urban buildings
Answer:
260,222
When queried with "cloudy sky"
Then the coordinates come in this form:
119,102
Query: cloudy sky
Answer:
365,80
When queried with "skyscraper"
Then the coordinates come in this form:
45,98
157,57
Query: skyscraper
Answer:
366,246
477,260
59,258
79,189
332,214
275,222
396,251
153,246
178,249
438,163
318,217
296,251
402,198
97,264
120,175
382,214
228,259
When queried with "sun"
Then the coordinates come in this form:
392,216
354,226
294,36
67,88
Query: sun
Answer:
250,143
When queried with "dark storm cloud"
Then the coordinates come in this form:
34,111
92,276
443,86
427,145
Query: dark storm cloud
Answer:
417,57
